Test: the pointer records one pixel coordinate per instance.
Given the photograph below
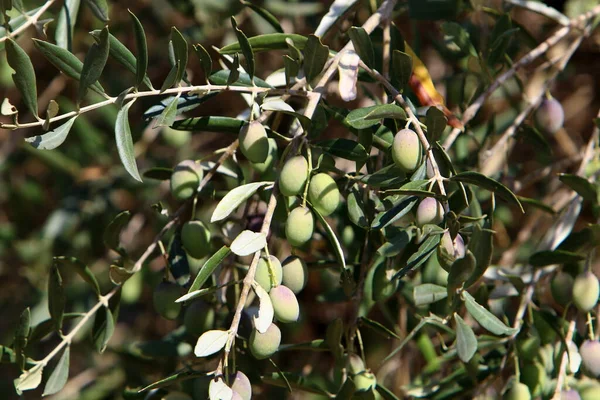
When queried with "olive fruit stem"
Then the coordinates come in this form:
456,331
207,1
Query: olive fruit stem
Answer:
309,168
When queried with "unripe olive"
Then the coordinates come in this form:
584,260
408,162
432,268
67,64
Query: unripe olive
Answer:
406,150
591,392
164,297
585,291
295,273
450,250
364,381
519,391
355,364
185,179
550,116
263,345
299,226
265,166
429,211
242,386
175,137
384,285
534,376
285,304
254,143
198,318
293,176
528,347
561,287
590,356
570,394
195,238
263,274
324,194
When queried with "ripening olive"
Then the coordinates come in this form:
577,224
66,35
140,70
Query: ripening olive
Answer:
254,142
561,287
265,166
195,238
285,304
570,394
164,297
429,211
590,356
293,176
198,318
295,273
519,391
324,194
185,179
242,386
585,291
355,364
406,150
263,345
263,273
550,116
364,381
450,250
299,226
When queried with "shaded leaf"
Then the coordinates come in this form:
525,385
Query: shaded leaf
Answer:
234,198
466,342
481,246
246,48
185,102
436,123
335,243
46,327
422,254
428,293
395,244
344,148
459,272
113,231
234,73
362,45
402,66
210,342
222,77
582,186
356,209
103,329
457,39
125,142
56,297
81,269
22,337
333,337
402,206
180,51
209,267
484,317
99,8
551,257
24,75
269,41
265,14
60,375
315,57
178,261
66,22
52,139
209,124
248,242
94,63
167,117
204,57
141,64
477,179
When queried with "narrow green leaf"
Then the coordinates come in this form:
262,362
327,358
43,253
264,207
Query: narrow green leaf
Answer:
66,24
466,342
60,375
362,45
395,244
167,117
481,246
81,269
428,293
209,124
99,8
209,267
234,198
113,231
52,139
246,48
378,327
436,123
125,142
24,75
400,208
29,379
459,272
484,317
422,254
103,329
265,14
477,179
269,41
335,243
528,201
344,148
204,57
382,111
315,57
402,66
234,72
56,297
582,186
170,79
22,337
94,63
142,50
178,261
291,67
180,50
551,257
185,102
222,77
356,209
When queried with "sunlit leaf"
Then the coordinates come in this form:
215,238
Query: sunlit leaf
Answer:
52,139
211,342
125,142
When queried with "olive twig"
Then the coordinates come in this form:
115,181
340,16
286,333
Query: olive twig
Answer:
562,371
32,20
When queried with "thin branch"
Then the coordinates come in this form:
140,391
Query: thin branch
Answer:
30,21
542,9
562,372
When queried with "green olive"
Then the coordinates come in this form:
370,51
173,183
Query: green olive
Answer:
263,274
323,194
406,150
285,304
364,381
164,297
185,179
519,391
293,176
264,345
198,318
295,273
585,291
299,226
561,287
195,238
265,167
254,142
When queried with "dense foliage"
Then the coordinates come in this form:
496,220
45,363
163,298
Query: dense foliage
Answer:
302,199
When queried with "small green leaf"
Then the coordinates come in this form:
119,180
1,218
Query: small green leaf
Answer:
315,57
180,50
22,337
484,317
234,72
125,142
551,257
466,342
269,41
52,139
400,208
291,67
113,231
422,254
103,329
222,77
170,79
81,269
366,117
395,244
246,48
29,379
527,201
248,242
142,50
60,375
99,8
344,148
178,261
24,75
402,66
66,24
211,342
582,186
436,123
477,179
56,297
265,14
204,57
234,198
428,293
459,272
209,267
167,117
356,209
94,63
362,45
382,111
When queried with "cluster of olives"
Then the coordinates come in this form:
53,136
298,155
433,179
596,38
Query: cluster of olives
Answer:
583,290
323,194
282,281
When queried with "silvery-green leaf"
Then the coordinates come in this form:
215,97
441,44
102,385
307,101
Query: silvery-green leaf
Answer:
234,198
466,342
24,75
59,376
29,379
125,142
210,342
248,242
52,139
